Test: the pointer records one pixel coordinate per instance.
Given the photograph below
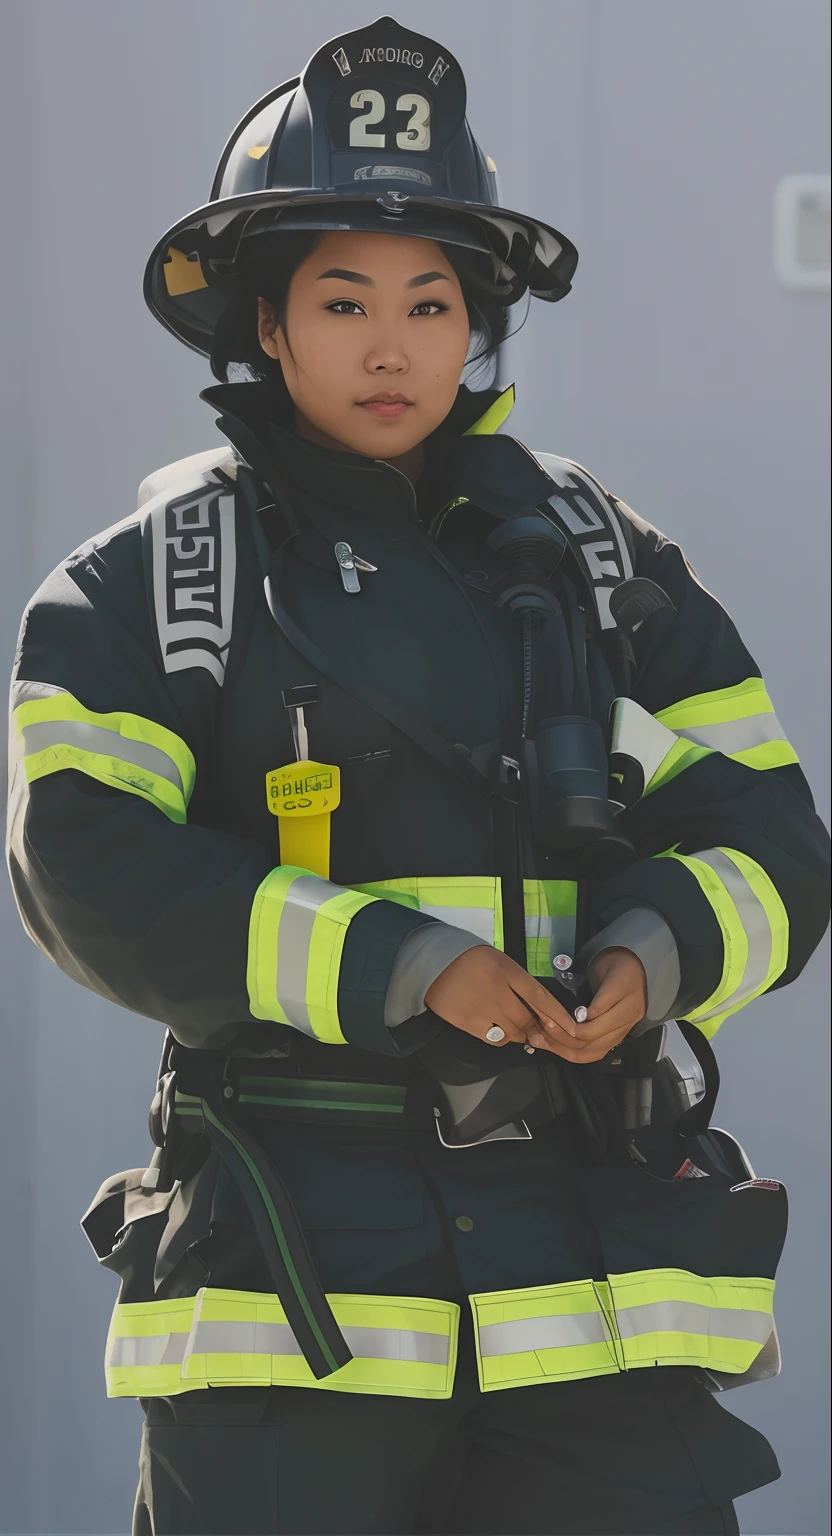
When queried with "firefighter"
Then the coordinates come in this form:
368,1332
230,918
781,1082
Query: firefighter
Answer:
417,786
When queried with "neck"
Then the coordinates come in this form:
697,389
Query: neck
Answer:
409,464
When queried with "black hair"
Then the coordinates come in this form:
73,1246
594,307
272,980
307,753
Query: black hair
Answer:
266,270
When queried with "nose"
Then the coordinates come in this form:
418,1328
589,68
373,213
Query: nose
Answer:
386,355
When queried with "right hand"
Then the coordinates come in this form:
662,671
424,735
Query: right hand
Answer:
483,987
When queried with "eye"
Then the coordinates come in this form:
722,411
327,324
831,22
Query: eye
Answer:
428,305
345,307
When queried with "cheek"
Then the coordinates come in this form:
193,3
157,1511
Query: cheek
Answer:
326,357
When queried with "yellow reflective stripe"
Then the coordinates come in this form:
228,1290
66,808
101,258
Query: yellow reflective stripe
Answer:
474,902
550,922
681,756
494,417
145,1347
767,754
754,926
57,732
739,722
673,1317
297,930
642,737
471,902
402,1346
547,1333
720,704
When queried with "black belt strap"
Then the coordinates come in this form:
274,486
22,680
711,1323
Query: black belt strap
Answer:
298,1288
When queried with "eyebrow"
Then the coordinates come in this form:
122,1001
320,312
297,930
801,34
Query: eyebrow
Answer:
345,276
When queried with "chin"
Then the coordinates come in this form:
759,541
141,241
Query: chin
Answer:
388,438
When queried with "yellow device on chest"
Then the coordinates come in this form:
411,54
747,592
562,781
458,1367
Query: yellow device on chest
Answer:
303,795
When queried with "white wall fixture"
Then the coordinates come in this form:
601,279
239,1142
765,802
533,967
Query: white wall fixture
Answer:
801,232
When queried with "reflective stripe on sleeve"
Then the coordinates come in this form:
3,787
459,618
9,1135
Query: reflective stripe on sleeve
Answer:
754,925
673,1317
55,732
296,938
739,722
405,1347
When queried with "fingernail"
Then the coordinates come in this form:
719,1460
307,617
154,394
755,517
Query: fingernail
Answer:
580,1015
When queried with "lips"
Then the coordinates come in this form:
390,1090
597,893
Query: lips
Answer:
386,409
387,404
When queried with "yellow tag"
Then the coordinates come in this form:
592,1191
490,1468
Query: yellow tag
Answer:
304,789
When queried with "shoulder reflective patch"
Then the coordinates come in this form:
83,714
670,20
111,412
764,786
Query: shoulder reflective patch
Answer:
194,565
52,731
587,515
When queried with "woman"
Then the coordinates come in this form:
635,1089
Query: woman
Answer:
415,784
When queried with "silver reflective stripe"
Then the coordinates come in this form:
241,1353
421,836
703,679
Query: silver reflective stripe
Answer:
640,735
304,898
730,736
693,1317
526,1334
754,919
94,738
256,1338
560,930
478,920
150,1349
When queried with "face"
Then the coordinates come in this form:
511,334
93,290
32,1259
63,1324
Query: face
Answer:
379,336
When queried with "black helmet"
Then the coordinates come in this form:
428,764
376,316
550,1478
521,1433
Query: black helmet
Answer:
373,136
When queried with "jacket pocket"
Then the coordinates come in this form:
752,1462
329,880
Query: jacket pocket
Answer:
690,1263
124,1224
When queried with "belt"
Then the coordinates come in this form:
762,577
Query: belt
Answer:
262,1095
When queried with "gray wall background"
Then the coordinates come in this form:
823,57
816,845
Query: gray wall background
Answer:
653,132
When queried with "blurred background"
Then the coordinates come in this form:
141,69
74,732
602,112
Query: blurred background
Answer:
688,371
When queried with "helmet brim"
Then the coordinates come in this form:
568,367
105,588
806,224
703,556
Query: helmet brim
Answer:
192,276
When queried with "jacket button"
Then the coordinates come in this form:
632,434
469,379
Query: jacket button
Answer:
464,1223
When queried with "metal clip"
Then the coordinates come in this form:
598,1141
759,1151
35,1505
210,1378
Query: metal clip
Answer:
296,700
349,566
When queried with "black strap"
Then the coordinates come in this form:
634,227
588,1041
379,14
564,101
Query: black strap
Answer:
293,1273
431,743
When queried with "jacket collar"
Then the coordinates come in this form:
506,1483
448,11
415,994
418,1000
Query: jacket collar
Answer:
350,480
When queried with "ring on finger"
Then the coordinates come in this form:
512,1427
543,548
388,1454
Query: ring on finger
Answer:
495,1034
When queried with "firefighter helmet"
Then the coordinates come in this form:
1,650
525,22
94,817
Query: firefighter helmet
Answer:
372,136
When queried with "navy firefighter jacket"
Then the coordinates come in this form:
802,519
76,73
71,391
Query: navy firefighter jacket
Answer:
149,704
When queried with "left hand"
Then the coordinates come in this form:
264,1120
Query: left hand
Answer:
620,1001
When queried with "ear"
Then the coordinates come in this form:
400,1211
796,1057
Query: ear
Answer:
267,328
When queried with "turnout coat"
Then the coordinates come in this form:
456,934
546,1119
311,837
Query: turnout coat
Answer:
148,708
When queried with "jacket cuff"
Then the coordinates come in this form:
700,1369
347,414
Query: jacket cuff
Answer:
424,955
666,887
646,935
374,940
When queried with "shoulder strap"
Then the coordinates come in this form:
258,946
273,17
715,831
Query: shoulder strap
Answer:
594,529
189,529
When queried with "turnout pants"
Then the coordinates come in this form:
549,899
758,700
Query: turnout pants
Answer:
650,1451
